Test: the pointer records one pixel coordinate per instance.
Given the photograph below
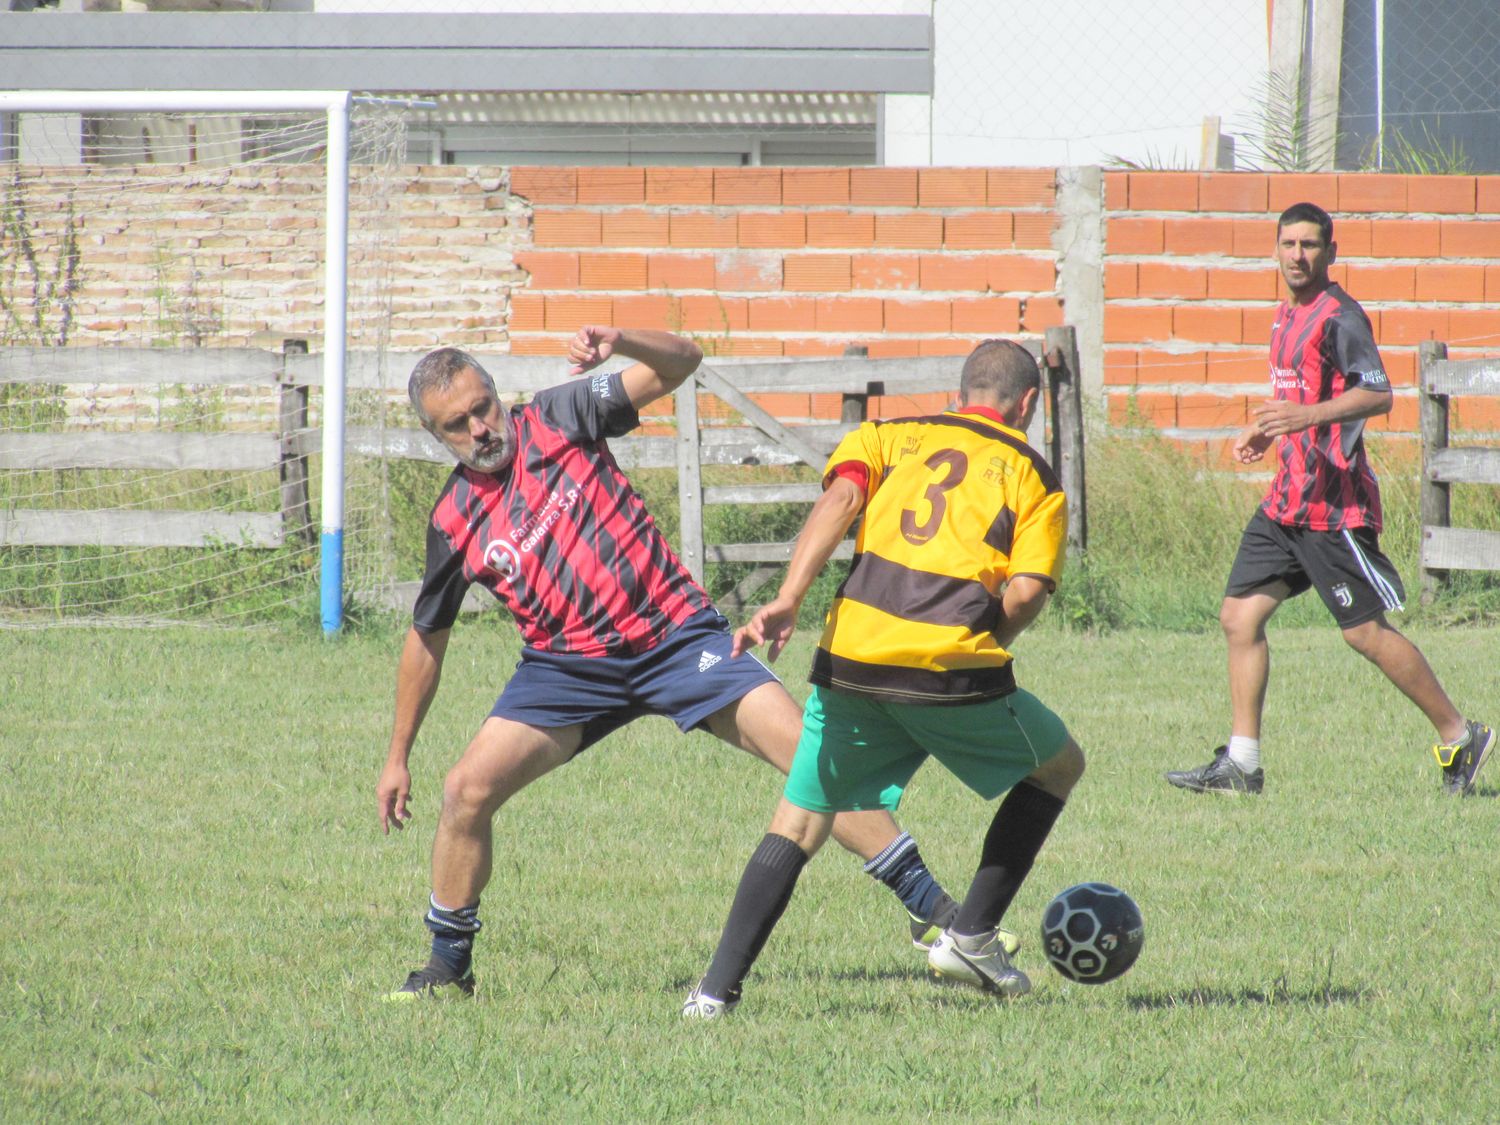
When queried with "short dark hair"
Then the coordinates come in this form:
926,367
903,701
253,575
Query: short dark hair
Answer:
1307,213
1001,369
436,371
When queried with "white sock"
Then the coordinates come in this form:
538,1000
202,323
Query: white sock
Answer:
1245,753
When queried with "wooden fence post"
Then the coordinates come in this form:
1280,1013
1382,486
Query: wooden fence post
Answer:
1065,397
1436,498
291,424
855,408
689,478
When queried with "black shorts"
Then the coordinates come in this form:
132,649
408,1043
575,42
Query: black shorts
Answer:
1356,582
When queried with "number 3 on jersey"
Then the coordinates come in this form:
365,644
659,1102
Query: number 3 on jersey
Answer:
953,466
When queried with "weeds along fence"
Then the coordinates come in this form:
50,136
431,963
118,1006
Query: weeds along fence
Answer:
187,492
1445,547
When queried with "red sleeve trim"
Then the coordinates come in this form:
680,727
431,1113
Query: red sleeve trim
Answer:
856,473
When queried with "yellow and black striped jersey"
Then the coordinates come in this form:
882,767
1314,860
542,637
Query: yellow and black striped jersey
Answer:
956,504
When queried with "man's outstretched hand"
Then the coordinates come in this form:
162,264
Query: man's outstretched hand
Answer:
773,622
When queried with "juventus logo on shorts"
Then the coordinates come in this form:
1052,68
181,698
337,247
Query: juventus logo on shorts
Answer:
1341,592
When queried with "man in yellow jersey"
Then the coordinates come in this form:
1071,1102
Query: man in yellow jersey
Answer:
962,542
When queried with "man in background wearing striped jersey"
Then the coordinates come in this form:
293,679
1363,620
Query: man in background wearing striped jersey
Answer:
1319,523
962,543
538,512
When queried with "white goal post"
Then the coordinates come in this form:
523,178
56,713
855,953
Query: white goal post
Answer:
336,105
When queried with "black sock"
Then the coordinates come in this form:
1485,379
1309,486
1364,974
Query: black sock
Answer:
1016,835
900,868
765,889
452,936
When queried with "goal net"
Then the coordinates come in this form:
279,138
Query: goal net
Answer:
162,319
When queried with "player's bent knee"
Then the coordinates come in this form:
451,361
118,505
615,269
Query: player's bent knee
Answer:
1243,617
468,793
1367,637
1061,772
1239,625
808,830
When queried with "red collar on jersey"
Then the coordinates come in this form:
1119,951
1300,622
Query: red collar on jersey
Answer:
988,412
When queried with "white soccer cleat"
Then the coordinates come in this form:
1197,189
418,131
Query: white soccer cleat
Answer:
979,961
700,1006
923,934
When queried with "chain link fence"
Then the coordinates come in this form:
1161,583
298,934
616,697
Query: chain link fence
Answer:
1419,87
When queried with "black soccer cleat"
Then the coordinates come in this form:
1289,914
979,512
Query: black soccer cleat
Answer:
1220,776
1461,762
433,983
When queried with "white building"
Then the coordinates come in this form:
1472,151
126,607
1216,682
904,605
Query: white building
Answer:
951,82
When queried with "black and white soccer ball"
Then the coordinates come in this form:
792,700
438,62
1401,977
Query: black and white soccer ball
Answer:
1092,932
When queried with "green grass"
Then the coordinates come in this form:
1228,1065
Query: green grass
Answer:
201,911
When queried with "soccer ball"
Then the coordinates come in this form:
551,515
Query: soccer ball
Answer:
1092,932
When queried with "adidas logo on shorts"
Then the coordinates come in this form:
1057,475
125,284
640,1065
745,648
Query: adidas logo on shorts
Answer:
707,661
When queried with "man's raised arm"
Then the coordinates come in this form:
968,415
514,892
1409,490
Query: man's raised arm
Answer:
663,361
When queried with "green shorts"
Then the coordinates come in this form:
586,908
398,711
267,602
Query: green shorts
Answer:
860,753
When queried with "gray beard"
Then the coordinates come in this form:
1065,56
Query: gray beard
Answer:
494,461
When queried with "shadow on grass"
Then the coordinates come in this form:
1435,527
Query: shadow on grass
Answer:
917,971
1277,994
855,976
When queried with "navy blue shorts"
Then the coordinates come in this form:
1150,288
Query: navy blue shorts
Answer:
687,678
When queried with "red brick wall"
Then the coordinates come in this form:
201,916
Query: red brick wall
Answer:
796,262
1190,287
790,261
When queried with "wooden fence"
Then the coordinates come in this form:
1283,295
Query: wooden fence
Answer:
1445,547
284,449
761,440
856,379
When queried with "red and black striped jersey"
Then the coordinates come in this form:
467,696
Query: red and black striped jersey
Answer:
559,535
1319,351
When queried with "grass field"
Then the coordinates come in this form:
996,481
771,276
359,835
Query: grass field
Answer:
201,912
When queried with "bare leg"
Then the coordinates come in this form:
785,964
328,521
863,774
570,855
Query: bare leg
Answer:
1404,665
767,722
503,758
1244,622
